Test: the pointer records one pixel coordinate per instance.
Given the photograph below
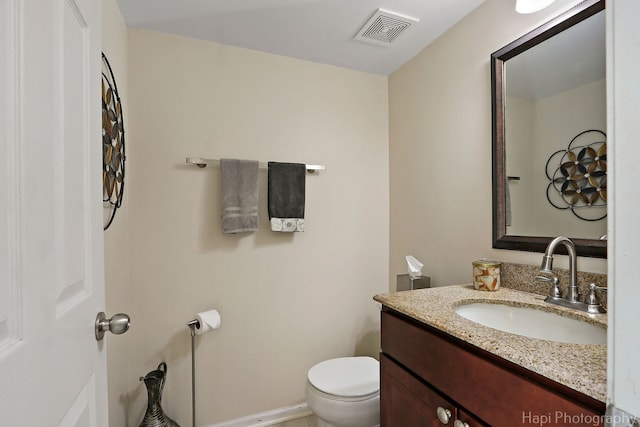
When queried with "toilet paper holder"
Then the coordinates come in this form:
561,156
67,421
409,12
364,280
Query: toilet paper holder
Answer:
202,323
193,324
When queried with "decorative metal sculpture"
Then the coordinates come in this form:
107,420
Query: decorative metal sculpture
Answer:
580,179
113,156
155,416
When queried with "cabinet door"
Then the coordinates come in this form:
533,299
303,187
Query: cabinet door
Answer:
407,402
465,419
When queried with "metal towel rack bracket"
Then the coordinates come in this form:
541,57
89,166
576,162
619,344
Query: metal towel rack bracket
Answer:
201,163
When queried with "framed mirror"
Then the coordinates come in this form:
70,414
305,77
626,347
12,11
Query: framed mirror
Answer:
549,135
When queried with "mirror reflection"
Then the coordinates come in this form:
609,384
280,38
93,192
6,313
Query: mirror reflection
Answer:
555,92
550,135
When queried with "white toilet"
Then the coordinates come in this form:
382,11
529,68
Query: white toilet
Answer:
345,392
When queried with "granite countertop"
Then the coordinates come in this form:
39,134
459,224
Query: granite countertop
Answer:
582,367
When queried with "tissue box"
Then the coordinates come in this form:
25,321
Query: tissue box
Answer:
405,282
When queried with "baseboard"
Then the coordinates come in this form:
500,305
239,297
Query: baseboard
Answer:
268,418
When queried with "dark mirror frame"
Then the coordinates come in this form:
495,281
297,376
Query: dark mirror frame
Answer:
501,240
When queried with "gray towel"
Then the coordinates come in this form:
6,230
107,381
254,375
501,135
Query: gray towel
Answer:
286,196
239,195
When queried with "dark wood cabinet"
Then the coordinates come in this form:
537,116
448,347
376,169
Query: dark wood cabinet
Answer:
409,402
424,369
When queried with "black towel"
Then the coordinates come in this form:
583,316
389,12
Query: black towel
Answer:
286,195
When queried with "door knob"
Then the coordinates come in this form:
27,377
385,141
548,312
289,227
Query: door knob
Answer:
444,415
118,324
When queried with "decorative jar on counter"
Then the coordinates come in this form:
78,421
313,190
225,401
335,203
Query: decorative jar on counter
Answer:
486,275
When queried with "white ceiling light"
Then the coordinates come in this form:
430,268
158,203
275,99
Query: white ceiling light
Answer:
530,6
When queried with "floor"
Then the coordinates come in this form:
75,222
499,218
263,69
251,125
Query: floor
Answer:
309,421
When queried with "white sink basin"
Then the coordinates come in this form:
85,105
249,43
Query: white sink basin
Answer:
533,323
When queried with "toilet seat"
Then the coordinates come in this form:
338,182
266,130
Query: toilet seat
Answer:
348,377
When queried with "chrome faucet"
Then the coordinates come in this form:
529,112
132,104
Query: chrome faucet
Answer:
572,298
547,265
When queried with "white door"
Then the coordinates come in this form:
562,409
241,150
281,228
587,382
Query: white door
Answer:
52,369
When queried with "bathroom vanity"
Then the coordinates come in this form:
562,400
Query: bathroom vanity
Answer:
438,368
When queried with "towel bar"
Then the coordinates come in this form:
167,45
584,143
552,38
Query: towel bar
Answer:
201,163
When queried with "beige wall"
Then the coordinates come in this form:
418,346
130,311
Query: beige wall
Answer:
117,254
519,143
287,300
440,148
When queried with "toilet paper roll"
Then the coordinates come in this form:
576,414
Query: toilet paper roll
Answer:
207,320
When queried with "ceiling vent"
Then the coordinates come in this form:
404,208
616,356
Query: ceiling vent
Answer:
384,27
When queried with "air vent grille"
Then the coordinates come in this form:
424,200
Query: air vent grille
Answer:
384,27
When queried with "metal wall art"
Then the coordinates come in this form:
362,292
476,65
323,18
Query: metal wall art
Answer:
578,176
113,155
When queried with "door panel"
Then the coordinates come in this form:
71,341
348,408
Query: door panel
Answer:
83,409
71,155
9,241
52,369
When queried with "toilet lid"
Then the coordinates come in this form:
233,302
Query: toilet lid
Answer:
346,376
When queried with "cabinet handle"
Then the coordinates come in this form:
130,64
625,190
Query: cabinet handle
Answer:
444,415
459,423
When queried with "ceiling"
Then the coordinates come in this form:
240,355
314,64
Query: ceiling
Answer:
315,30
